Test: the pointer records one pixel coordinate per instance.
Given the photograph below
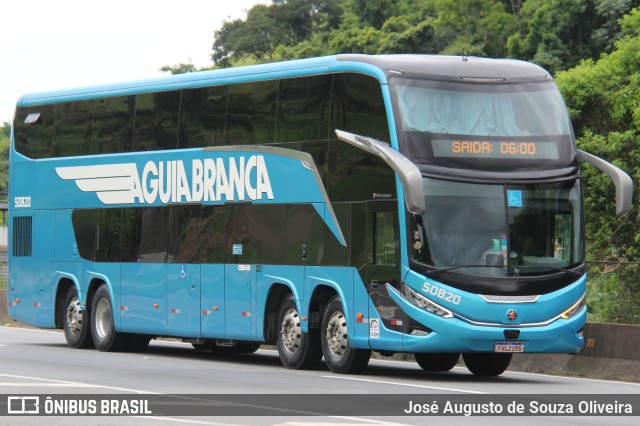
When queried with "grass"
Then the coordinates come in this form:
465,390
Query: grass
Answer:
3,282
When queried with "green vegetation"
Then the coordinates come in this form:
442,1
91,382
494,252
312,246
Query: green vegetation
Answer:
5,132
604,100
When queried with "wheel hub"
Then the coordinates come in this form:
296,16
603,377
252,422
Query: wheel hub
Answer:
103,318
290,331
336,336
74,316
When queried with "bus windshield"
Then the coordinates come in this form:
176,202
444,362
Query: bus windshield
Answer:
500,230
511,126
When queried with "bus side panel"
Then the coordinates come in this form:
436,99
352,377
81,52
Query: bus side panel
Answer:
143,298
65,246
31,279
183,300
239,295
290,276
360,306
212,303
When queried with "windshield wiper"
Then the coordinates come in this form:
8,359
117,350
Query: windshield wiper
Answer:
516,270
437,271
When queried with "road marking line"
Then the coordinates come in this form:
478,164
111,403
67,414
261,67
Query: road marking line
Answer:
79,384
49,385
31,329
383,382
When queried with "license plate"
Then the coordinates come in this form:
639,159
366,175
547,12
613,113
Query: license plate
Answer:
509,347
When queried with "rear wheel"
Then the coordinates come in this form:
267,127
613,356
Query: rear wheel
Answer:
487,364
339,355
105,336
437,361
297,350
76,321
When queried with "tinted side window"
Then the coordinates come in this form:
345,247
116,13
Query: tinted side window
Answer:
72,127
303,109
34,140
97,234
202,117
251,114
85,228
156,122
144,234
357,106
184,234
113,125
109,224
304,235
238,238
213,228
268,239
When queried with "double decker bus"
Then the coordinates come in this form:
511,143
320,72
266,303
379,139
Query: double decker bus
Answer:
330,206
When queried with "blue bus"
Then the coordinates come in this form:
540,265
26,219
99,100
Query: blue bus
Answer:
331,207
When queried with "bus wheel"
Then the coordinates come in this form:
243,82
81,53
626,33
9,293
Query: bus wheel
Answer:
297,350
338,354
437,361
105,336
76,321
486,364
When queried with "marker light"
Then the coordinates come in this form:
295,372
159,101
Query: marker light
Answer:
422,302
575,308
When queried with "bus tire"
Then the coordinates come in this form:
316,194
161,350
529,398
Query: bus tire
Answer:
297,350
437,361
486,364
105,336
76,321
339,355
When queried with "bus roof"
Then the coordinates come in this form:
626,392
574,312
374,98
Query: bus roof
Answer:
453,68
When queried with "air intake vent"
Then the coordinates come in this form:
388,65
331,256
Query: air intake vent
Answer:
22,236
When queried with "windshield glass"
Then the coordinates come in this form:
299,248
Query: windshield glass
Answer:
499,230
481,125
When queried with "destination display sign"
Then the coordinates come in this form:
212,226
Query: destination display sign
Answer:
494,149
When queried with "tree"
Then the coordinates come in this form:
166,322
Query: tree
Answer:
180,68
284,23
5,132
473,27
603,97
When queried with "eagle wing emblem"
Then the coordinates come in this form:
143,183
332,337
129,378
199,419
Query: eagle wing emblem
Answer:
112,183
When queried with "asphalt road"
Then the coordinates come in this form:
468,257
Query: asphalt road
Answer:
39,362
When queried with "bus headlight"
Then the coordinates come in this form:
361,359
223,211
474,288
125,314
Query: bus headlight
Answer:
422,302
575,308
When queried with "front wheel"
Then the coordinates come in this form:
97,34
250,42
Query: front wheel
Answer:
297,350
105,336
76,321
437,361
486,364
339,355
